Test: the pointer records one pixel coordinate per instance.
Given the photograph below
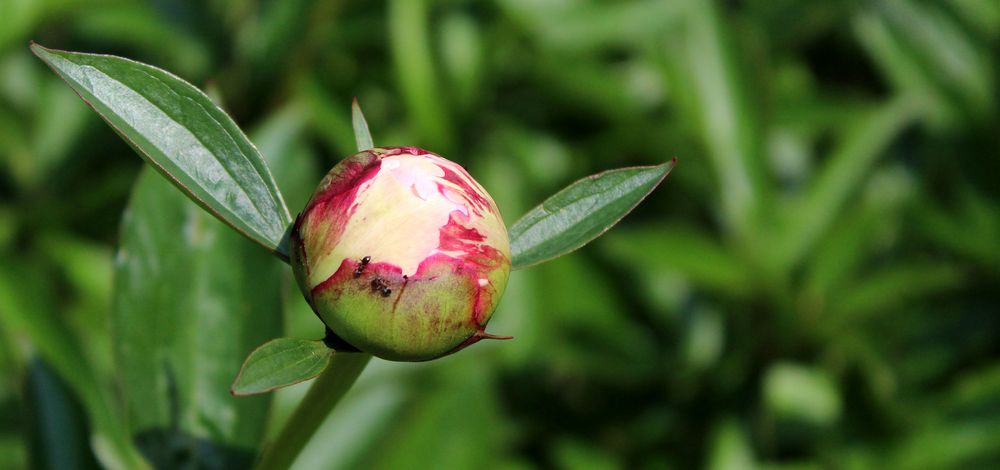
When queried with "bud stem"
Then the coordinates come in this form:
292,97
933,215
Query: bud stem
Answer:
322,398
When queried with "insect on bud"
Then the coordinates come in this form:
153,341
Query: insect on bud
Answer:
402,254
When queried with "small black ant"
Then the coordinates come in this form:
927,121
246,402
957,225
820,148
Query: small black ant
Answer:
379,284
361,267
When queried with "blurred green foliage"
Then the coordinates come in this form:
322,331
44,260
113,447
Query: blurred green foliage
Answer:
817,284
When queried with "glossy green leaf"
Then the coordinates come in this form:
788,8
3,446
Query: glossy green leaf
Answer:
280,363
581,212
182,134
192,299
361,133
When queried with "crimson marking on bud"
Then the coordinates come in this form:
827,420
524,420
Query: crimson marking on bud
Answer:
434,232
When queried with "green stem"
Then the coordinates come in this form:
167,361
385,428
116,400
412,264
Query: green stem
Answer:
322,397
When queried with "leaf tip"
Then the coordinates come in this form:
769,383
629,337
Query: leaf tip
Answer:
664,169
239,390
362,135
669,165
235,389
37,49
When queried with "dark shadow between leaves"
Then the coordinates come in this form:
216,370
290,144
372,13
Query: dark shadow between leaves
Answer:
172,449
169,447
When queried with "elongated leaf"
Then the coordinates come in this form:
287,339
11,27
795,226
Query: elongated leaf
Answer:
847,167
684,250
970,228
946,50
581,212
891,288
586,27
903,69
703,69
27,308
327,117
182,134
57,426
192,299
280,363
361,133
416,73
462,58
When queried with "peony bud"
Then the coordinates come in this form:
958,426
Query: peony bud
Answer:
402,254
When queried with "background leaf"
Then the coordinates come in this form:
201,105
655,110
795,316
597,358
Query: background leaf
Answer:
279,363
676,248
863,142
581,212
705,70
27,309
192,299
57,423
183,135
416,73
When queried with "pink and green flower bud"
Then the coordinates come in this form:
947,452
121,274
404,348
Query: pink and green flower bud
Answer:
402,254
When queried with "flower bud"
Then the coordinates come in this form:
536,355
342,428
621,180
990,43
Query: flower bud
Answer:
402,254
